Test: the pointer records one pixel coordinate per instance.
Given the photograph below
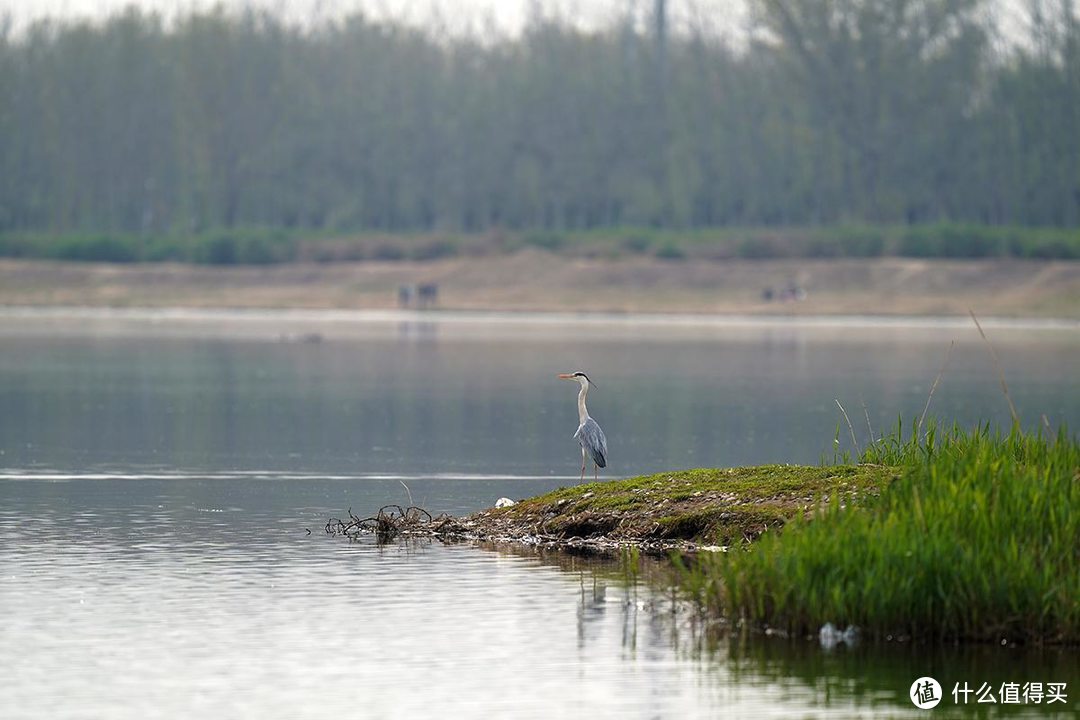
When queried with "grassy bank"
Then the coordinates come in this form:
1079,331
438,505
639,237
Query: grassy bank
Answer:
260,246
977,540
707,506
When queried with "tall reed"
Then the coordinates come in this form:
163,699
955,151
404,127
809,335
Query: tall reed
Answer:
977,539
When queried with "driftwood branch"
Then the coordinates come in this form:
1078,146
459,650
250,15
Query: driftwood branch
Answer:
389,522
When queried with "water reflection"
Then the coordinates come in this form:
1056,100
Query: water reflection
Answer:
156,489
430,397
418,330
754,673
143,598
879,676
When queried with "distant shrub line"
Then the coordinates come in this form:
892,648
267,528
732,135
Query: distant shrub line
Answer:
234,247
262,246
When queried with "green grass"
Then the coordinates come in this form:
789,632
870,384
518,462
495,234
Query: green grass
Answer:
707,505
979,540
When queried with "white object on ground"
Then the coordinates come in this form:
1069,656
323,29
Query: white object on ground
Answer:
830,636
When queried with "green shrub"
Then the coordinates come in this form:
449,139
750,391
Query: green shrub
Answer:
233,246
670,251
860,241
759,248
1058,247
241,247
16,246
968,241
97,248
547,240
388,252
636,243
216,249
918,242
434,250
165,249
823,246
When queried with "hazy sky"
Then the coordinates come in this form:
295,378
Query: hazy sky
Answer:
507,12
507,15
721,17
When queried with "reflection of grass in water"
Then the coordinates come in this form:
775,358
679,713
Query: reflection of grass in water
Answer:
625,567
868,676
882,675
977,541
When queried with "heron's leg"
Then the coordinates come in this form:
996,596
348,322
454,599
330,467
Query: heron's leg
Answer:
595,470
582,464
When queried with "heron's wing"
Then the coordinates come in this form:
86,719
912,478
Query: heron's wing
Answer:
592,439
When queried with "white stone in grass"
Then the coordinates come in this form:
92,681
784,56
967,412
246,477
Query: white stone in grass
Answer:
504,502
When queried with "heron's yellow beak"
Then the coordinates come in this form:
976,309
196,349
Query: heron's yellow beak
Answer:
565,376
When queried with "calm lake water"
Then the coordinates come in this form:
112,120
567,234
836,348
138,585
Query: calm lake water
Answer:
159,473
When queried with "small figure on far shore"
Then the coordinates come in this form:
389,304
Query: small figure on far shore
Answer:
589,434
792,293
425,295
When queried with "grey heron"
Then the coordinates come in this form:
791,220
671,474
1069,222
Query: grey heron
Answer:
589,434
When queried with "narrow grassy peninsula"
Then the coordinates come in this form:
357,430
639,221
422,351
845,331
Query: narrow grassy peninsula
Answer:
692,507
950,535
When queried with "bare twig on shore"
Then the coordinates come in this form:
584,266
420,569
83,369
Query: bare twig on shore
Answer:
390,521
948,356
869,427
1001,373
854,442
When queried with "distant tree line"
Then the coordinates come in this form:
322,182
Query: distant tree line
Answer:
831,111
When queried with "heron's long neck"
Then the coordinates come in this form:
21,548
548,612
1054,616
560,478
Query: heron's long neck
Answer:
582,411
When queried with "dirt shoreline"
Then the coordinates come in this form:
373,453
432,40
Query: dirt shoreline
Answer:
533,280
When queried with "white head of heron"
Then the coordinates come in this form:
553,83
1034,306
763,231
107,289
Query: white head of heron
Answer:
579,377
